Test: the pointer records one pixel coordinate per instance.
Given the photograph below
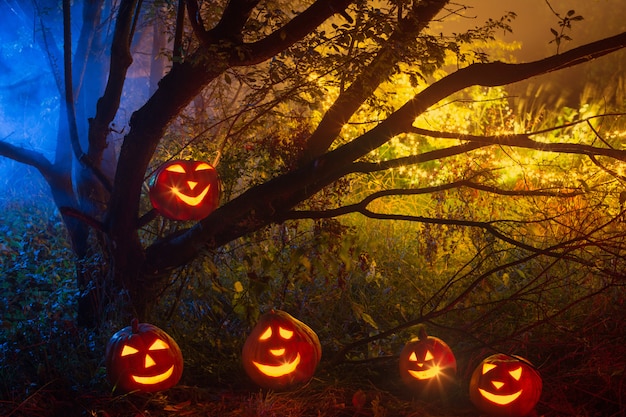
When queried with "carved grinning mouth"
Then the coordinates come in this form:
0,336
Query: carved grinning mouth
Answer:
426,374
150,380
278,370
500,399
191,201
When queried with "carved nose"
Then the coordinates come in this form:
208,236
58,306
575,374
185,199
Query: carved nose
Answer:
149,362
497,384
277,352
192,184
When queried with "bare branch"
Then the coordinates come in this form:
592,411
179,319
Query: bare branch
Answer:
611,172
364,167
195,19
433,314
77,214
69,89
523,140
28,157
233,20
361,206
177,53
121,60
295,30
378,70
489,226
52,52
485,74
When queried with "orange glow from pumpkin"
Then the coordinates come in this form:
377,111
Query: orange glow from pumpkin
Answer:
155,379
429,373
277,371
282,369
148,363
498,398
185,190
191,201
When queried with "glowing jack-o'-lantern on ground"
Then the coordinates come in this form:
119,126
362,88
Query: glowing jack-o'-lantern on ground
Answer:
505,386
427,363
185,190
142,357
281,351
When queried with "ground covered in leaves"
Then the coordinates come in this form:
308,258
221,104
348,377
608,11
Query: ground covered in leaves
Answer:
363,389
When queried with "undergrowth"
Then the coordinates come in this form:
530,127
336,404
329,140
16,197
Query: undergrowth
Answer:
363,286
50,367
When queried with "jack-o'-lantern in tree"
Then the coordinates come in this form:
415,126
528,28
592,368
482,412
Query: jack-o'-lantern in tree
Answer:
281,351
185,190
142,357
427,363
505,386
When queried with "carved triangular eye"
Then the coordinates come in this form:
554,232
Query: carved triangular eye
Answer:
428,356
203,167
413,357
159,345
176,168
285,334
516,373
488,367
266,334
128,350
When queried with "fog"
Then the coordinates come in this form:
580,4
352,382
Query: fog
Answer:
601,18
29,99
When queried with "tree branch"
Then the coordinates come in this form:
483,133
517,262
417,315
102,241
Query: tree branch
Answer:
295,30
177,50
489,226
69,89
365,167
233,20
361,206
52,52
77,214
523,140
433,314
197,25
91,18
378,70
28,157
108,104
489,75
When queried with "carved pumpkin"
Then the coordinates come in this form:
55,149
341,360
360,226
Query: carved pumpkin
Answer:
142,357
426,362
505,386
281,351
185,190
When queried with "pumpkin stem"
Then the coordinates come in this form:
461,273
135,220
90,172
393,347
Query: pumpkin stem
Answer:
134,325
421,332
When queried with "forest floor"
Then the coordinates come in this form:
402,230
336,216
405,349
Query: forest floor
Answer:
358,392
315,399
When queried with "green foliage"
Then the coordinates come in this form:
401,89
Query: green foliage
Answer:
39,340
